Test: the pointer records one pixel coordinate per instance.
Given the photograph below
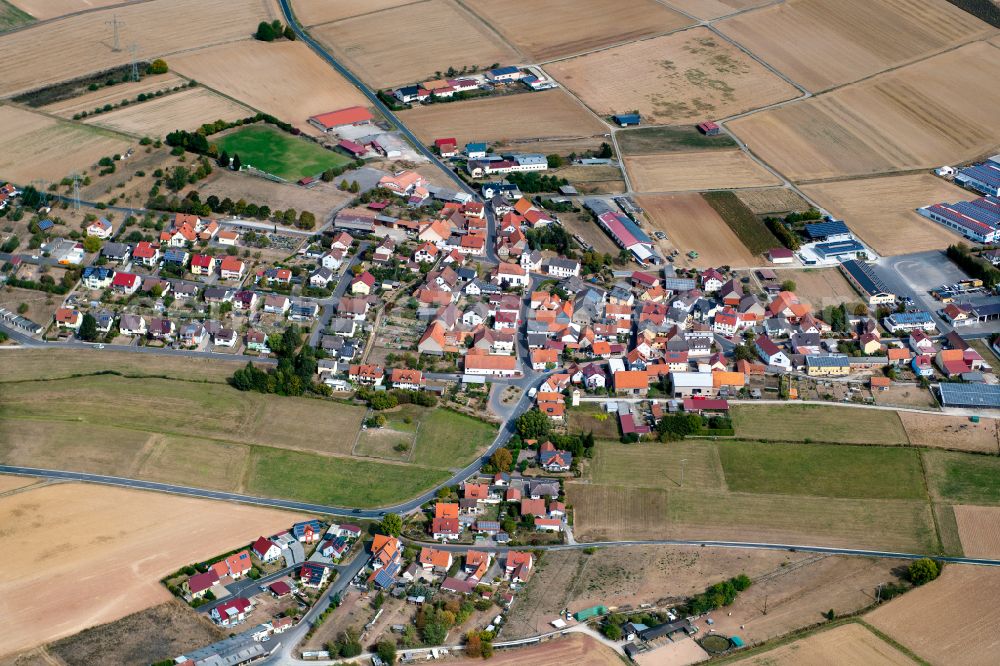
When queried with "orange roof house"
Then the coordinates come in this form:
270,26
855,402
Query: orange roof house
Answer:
631,380
722,378
446,510
432,558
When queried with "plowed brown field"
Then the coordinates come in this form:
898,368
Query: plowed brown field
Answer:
701,170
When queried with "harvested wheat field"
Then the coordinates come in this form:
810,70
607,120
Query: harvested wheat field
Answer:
49,9
79,555
951,432
850,39
312,12
683,76
284,79
849,643
576,649
9,482
691,224
918,116
414,41
883,210
583,25
951,620
34,146
701,170
772,200
979,530
114,94
541,115
710,9
185,110
80,44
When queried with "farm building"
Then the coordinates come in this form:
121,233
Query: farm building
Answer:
708,128
351,148
862,276
838,250
977,220
352,115
504,74
627,119
446,147
970,395
831,230
983,177
780,255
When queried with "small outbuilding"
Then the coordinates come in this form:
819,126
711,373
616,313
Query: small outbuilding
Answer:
627,119
708,128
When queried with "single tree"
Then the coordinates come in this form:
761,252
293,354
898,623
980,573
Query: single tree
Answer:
92,244
235,165
265,32
88,328
605,151
386,650
502,460
923,571
788,285
391,524
289,33
158,66
223,160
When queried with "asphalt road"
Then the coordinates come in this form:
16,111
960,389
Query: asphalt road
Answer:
330,304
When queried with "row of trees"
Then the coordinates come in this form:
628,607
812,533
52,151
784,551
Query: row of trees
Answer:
975,266
531,182
292,376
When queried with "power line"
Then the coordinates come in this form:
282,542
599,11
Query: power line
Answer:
115,23
133,50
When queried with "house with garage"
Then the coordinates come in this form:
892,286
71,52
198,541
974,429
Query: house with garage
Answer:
313,574
203,264
552,459
232,268
232,612
771,353
518,565
100,228
265,550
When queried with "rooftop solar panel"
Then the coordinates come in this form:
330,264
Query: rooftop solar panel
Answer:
970,395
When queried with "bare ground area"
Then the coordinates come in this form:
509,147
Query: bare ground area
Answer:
820,287
584,25
951,620
915,117
691,224
542,115
285,79
587,229
710,9
80,44
847,644
628,577
979,530
41,306
48,9
321,199
772,200
951,432
9,482
35,146
576,649
687,75
702,170
129,537
187,110
311,12
850,39
882,211
414,41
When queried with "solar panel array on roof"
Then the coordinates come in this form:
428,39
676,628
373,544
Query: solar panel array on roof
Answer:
865,277
964,220
825,229
984,173
970,395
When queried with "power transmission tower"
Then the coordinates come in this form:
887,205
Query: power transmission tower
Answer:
76,190
115,24
133,50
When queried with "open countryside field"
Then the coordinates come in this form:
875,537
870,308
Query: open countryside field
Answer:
882,210
951,620
850,39
849,643
8,482
540,115
951,432
275,152
35,146
680,138
702,170
658,466
80,44
820,423
311,12
963,478
913,117
186,110
34,364
979,530
128,537
773,200
591,178
584,25
710,9
574,649
48,9
683,76
447,439
692,224
11,17
114,94
284,79
415,41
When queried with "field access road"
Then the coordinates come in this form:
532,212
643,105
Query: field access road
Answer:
321,51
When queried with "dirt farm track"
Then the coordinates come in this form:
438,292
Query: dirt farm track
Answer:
83,554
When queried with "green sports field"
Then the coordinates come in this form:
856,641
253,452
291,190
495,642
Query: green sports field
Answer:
280,154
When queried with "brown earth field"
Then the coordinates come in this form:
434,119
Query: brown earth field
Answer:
979,530
414,41
592,179
584,25
850,39
41,306
9,482
122,536
692,224
710,9
688,75
541,115
628,577
882,211
951,432
35,364
850,643
820,287
951,620
80,44
49,9
34,146
311,12
284,79
187,109
114,94
320,199
590,232
701,170
578,650
772,200
915,117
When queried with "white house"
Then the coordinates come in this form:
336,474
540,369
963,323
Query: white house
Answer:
771,354
511,275
100,228
562,268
